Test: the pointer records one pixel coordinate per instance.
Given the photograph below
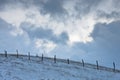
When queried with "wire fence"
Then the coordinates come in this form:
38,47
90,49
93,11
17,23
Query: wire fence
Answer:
67,61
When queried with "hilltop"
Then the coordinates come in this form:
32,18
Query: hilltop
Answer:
21,68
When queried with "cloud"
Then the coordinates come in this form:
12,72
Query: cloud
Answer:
113,15
10,42
54,7
68,17
105,46
10,17
108,35
42,33
44,45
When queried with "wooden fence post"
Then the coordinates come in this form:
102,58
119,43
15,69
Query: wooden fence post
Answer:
5,53
83,63
17,53
68,61
42,57
113,66
28,55
97,64
54,58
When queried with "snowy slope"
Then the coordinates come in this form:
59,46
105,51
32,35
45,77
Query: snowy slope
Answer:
12,68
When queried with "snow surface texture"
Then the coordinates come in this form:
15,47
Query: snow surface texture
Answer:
21,68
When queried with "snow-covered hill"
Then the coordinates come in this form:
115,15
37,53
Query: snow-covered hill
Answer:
13,68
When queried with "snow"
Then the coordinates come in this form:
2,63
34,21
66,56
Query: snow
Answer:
13,68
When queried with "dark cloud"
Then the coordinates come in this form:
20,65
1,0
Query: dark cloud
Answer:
2,4
106,44
56,10
108,35
113,14
5,4
53,7
116,4
84,7
44,33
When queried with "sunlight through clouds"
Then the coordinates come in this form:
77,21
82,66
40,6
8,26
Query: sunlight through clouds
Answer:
78,27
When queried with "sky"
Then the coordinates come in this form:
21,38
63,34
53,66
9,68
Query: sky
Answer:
75,29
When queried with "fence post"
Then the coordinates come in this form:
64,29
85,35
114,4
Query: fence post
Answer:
28,55
113,66
17,53
42,57
54,58
83,63
97,64
68,61
5,53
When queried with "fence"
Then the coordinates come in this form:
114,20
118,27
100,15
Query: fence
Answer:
68,61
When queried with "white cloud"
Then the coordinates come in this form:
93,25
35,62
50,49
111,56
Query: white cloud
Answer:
36,18
107,6
13,16
16,32
45,45
77,27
